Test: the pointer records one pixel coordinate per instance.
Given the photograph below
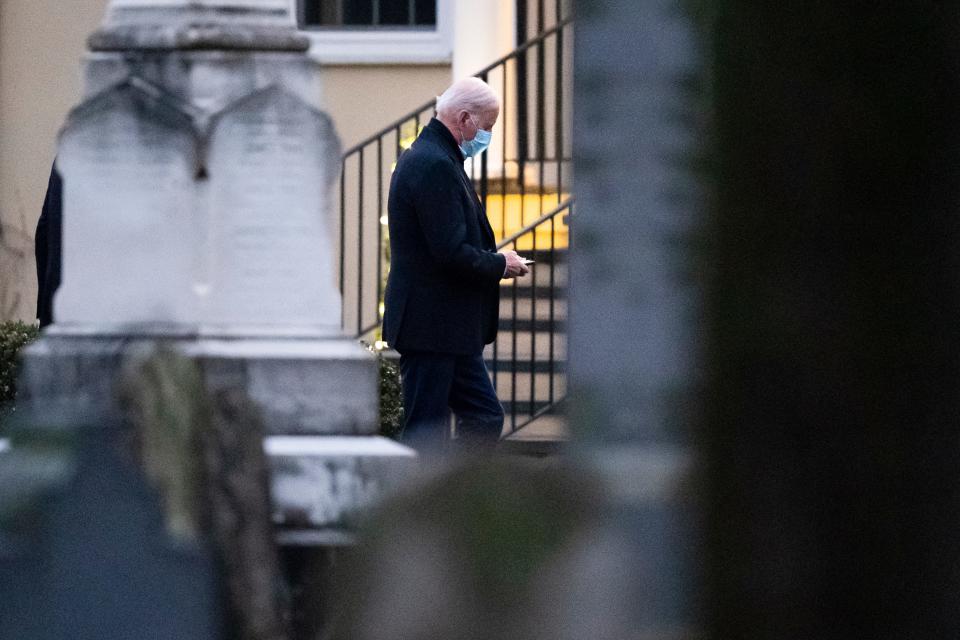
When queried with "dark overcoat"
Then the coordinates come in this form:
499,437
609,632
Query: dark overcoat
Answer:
443,292
47,247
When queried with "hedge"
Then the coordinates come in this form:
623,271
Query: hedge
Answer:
14,336
391,400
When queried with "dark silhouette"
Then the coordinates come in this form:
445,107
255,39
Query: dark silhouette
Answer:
443,294
834,334
47,247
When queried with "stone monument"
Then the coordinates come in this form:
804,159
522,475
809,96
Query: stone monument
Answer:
198,173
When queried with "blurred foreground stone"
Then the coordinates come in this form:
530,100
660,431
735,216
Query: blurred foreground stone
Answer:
478,550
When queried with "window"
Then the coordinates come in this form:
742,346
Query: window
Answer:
378,31
367,14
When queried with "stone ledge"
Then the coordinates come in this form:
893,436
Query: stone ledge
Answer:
192,37
301,386
321,482
321,485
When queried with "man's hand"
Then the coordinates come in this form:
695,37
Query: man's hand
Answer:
515,266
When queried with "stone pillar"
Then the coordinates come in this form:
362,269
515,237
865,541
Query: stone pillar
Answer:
199,180
636,307
198,187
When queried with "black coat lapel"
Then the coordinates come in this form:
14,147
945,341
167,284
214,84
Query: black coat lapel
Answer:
480,211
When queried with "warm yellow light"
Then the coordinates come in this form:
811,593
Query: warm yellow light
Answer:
382,307
380,345
383,220
508,214
406,143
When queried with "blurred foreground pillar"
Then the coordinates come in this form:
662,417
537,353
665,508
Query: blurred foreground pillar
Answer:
634,356
835,349
598,544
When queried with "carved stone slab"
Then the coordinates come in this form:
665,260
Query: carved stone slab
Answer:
179,221
272,162
128,157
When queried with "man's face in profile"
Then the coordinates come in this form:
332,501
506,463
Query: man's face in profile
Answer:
471,123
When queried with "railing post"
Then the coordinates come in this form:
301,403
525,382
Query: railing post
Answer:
360,244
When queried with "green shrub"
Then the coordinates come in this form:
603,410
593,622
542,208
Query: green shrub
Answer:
391,399
14,336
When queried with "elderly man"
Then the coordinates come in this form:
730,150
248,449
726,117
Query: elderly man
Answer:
443,294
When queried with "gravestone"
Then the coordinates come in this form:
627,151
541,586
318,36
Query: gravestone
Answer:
199,171
272,160
86,555
131,155
202,224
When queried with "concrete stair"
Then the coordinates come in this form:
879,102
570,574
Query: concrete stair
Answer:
528,361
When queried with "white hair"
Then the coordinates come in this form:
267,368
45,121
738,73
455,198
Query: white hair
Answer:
470,94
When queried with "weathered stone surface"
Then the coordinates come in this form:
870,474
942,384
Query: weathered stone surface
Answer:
137,12
77,378
271,165
129,157
322,482
229,237
198,24
209,80
320,485
84,552
301,386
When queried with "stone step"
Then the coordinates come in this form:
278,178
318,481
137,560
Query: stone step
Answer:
519,385
550,428
507,367
524,292
524,344
540,325
320,485
524,409
527,307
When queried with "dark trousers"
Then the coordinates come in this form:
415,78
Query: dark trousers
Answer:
434,384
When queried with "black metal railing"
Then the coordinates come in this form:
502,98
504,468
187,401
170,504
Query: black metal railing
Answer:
528,360
526,172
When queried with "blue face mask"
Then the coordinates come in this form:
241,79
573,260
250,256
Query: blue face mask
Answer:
478,145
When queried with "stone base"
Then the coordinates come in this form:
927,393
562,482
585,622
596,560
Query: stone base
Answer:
317,398
321,483
302,386
184,24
